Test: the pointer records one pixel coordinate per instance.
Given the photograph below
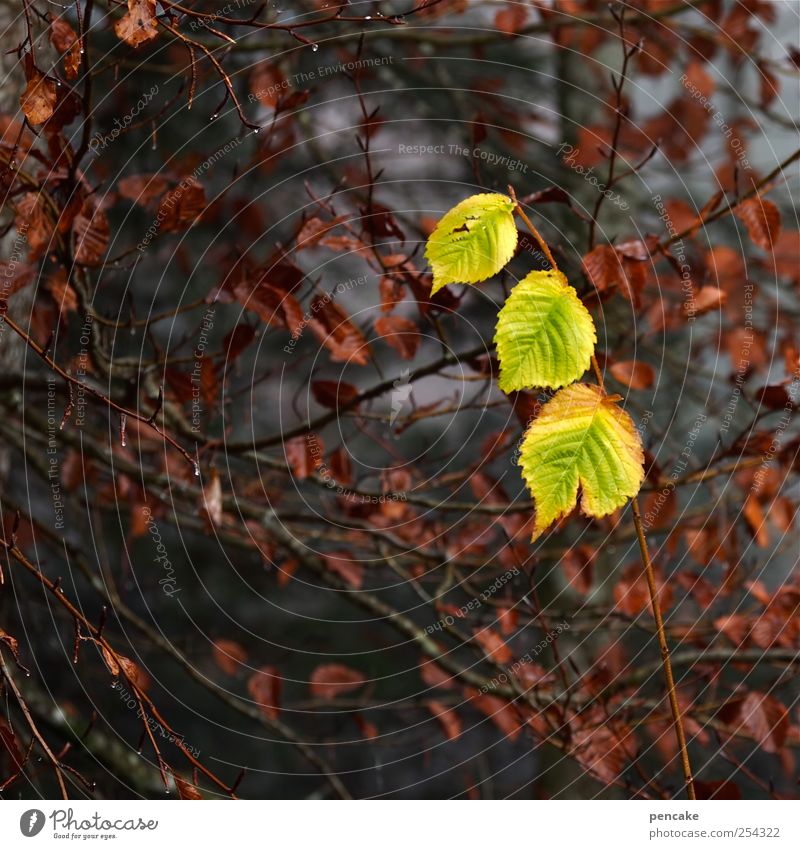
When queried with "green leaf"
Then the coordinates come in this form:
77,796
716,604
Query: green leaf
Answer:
581,438
473,241
545,335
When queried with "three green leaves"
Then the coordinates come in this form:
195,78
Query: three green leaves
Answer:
545,337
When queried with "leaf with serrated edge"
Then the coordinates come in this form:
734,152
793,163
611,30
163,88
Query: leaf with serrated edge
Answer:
472,241
545,335
581,438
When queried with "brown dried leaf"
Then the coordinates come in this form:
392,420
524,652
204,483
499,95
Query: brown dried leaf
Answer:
494,646
578,565
632,595
142,188
766,719
304,454
11,643
511,19
434,676
228,655
265,688
91,233
65,41
333,393
762,219
342,564
603,267
334,329
185,789
182,206
33,222
38,101
448,719
211,500
138,24
333,679
62,292
500,712
708,299
634,373
402,334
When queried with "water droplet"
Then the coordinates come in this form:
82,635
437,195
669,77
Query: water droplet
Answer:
257,130
196,470
314,48
214,117
368,18
82,51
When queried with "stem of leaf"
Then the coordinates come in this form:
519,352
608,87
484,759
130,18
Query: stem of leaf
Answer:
542,244
662,643
677,721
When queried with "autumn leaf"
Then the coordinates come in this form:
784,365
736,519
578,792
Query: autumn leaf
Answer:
38,101
182,206
304,454
762,219
333,679
448,719
341,563
91,232
138,25
142,189
334,393
765,718
545,336
633,373
472,241
186,790
434,676
32,221
599,748
228,655
512,18
211,500
399,333
708,299
582,438
493,645
337,332
265,688
67,43
10,643
502,713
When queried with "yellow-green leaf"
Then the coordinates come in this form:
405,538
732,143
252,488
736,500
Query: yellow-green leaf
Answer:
582,438
545,335
472,241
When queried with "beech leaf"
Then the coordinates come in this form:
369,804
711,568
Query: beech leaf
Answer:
582,438
138,24
472,241
545,335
